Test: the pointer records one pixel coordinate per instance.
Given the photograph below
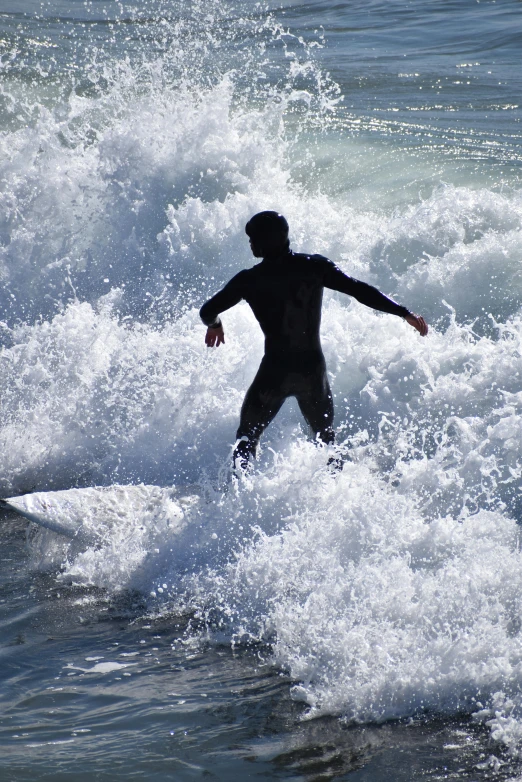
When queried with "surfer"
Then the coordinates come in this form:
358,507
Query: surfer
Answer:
285,292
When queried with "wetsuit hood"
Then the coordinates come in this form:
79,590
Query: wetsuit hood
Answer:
266,223
268,233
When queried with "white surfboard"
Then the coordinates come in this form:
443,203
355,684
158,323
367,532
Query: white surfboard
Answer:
88,515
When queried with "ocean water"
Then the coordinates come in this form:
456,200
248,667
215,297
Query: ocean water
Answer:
302,625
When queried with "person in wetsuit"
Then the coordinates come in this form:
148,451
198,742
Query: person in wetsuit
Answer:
285,292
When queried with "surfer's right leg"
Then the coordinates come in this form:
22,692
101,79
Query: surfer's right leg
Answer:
262,402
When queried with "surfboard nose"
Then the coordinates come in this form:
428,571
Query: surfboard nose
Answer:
89,515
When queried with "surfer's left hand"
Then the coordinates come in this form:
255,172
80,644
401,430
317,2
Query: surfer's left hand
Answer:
418,323
215,337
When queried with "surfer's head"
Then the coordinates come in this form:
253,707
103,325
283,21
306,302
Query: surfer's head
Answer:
268,234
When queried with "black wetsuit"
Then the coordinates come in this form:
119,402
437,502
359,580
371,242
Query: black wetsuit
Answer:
286,295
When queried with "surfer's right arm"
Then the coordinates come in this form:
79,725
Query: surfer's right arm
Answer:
231,294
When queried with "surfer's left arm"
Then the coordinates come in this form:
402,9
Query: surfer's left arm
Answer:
367,294
418,322
226,298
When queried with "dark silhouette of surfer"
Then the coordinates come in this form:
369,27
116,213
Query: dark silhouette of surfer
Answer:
285,292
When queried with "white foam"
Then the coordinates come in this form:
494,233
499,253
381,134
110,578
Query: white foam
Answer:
108,667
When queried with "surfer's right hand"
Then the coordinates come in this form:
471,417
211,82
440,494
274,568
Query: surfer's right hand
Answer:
214,337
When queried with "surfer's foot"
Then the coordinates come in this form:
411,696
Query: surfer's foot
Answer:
335,464
243,452
241,467
341,455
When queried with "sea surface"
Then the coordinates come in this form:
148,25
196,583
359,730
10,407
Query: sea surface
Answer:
360,626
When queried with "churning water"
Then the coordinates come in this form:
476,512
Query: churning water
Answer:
302,625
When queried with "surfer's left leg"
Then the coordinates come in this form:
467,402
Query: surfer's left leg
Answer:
316,405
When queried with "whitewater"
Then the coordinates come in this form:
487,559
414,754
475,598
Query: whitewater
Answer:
290,623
